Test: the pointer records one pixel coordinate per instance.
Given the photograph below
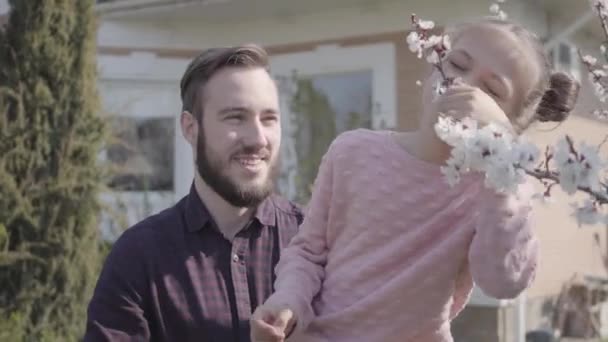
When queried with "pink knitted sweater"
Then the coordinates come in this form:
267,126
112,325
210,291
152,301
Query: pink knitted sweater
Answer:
389,252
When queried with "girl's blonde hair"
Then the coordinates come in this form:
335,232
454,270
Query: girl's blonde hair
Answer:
554,94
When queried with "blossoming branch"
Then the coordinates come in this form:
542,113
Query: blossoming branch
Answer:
506,160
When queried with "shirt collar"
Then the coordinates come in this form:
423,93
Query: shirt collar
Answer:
198,216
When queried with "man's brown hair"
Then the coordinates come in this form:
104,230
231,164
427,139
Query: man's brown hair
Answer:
208,63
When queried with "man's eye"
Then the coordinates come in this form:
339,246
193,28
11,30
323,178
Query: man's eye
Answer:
234,117
270,118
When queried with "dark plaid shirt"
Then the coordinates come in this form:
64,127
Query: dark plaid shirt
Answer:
174,277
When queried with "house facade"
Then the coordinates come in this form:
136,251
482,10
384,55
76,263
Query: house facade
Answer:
352,62
354,59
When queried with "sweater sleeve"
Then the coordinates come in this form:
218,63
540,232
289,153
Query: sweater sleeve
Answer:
504,252
301,268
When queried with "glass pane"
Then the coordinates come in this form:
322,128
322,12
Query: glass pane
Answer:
141,154
322,106
565,54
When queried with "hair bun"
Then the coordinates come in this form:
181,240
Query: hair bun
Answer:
559,99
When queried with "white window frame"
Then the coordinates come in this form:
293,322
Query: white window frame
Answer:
326,59
147,69
574,69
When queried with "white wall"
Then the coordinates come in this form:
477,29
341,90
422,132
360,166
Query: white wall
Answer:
3,6
382,16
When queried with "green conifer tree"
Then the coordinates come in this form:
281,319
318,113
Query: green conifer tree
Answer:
50,137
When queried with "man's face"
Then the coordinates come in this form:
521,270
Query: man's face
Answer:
240,135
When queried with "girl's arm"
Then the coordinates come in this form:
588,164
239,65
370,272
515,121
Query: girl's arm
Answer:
504,252
301,268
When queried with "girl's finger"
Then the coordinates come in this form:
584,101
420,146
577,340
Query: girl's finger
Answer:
452,99
266,332
459,103
456,89
455,114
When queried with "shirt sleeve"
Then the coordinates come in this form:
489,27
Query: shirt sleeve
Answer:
504,251
301,268
116,310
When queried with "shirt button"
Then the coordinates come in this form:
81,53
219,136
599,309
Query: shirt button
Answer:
235,258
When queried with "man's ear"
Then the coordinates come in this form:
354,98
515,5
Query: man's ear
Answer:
189,127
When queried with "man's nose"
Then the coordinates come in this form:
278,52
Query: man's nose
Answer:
255,135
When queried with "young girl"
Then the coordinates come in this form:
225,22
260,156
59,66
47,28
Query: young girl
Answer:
388,251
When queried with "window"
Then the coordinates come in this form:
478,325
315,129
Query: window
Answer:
564,57
322,107
325,92
141,154
145,158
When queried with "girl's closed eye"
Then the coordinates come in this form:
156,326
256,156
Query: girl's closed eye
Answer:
457,66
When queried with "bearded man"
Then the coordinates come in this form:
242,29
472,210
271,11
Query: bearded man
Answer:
197,270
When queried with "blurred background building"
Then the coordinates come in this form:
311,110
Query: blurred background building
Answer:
352,69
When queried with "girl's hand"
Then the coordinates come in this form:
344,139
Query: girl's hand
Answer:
271,324
462,100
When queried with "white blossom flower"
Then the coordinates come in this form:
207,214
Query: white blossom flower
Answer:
495,9
591,165
489,149
432,57
419,83
426,24
414,43
502,176
603,49
502,15
447,43
598,73
526,154
431,42
580,169
543,198
443,128
590,60
587,213
455,132
601,114
567,166
602,3
451,172
440,88
412,39
481,147
598,87
454,166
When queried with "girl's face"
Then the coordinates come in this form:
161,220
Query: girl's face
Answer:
493,60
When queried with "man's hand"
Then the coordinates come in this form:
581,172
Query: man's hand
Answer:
271,324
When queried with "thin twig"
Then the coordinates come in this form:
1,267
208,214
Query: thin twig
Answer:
598,6
548,157
601,198
599,147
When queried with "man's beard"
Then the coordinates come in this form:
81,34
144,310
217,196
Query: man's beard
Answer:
210,167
